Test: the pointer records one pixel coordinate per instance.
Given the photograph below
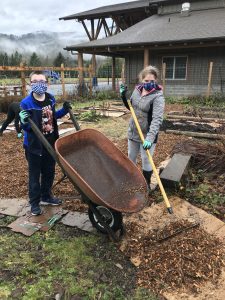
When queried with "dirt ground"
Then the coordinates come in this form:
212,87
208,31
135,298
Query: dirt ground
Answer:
13,184
13,165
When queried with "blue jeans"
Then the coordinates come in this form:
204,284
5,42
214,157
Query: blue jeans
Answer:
134,148
41,176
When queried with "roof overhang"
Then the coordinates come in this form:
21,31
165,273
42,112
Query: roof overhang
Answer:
122,50
117,9
163,31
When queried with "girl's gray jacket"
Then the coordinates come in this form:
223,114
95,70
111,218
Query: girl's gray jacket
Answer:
149,111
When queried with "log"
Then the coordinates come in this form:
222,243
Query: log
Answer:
197,134
198,119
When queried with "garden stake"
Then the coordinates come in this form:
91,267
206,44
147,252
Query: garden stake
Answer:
169,208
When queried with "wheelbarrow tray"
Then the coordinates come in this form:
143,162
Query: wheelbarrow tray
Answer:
101,171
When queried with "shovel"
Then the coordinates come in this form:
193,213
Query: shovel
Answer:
169,208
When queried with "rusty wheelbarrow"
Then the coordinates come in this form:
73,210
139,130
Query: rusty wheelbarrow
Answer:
108,181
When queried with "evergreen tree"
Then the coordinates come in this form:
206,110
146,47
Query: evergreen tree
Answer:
4,59
34,60
60,59
16,59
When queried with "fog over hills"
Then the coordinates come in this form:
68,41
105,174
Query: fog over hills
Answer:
44,43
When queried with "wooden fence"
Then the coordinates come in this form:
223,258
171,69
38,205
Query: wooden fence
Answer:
22,69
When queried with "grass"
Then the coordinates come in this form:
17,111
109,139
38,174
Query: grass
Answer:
112,128
65,261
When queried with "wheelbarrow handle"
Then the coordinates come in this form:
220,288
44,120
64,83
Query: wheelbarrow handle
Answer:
72,117
43,140
51,151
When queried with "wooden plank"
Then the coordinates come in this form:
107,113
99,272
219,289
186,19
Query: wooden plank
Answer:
26,68
85,27
197,134
175,171
106,27
99,26
92,29
197,119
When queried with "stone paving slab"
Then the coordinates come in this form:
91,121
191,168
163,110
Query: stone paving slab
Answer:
16,207
79,220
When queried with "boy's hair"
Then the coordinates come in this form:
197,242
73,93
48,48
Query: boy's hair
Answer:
39,73
148,70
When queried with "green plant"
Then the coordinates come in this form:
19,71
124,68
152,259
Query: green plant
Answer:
217,99
106,95
89,116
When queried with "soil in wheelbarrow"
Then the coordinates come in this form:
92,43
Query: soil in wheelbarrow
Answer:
184,260
110,180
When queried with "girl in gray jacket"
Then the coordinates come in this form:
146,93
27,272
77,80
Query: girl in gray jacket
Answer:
148,102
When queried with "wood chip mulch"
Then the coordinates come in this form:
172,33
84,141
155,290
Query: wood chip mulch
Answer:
185,260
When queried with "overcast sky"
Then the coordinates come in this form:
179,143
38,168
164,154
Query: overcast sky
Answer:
23,16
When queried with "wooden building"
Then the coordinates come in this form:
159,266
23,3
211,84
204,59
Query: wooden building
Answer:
186,37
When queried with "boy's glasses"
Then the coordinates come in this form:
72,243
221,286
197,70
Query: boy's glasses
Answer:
39,81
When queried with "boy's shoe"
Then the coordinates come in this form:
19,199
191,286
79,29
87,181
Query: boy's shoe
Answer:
51,201
36,210
1,133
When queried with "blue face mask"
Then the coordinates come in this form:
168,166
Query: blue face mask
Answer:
148,86
39,88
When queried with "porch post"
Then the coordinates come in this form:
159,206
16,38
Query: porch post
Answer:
94,64
81,74
146,57
113,73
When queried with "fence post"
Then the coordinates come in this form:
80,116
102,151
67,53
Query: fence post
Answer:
63,81
209,79
23,81
5,91
91,71
164,78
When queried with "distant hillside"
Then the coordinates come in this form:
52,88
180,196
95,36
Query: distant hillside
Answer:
42,42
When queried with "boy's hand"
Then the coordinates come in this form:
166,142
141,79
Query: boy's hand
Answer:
24,115
67,105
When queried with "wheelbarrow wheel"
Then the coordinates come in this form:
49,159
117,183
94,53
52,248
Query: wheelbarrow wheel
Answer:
114,219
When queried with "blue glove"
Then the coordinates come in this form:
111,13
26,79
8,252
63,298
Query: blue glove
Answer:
24,115
123,90
147,145
19,135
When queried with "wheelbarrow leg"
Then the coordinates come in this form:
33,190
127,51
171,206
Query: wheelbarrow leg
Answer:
59,181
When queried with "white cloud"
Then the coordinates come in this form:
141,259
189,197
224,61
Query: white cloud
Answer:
23,16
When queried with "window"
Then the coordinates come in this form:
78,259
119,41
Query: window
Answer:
176,67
